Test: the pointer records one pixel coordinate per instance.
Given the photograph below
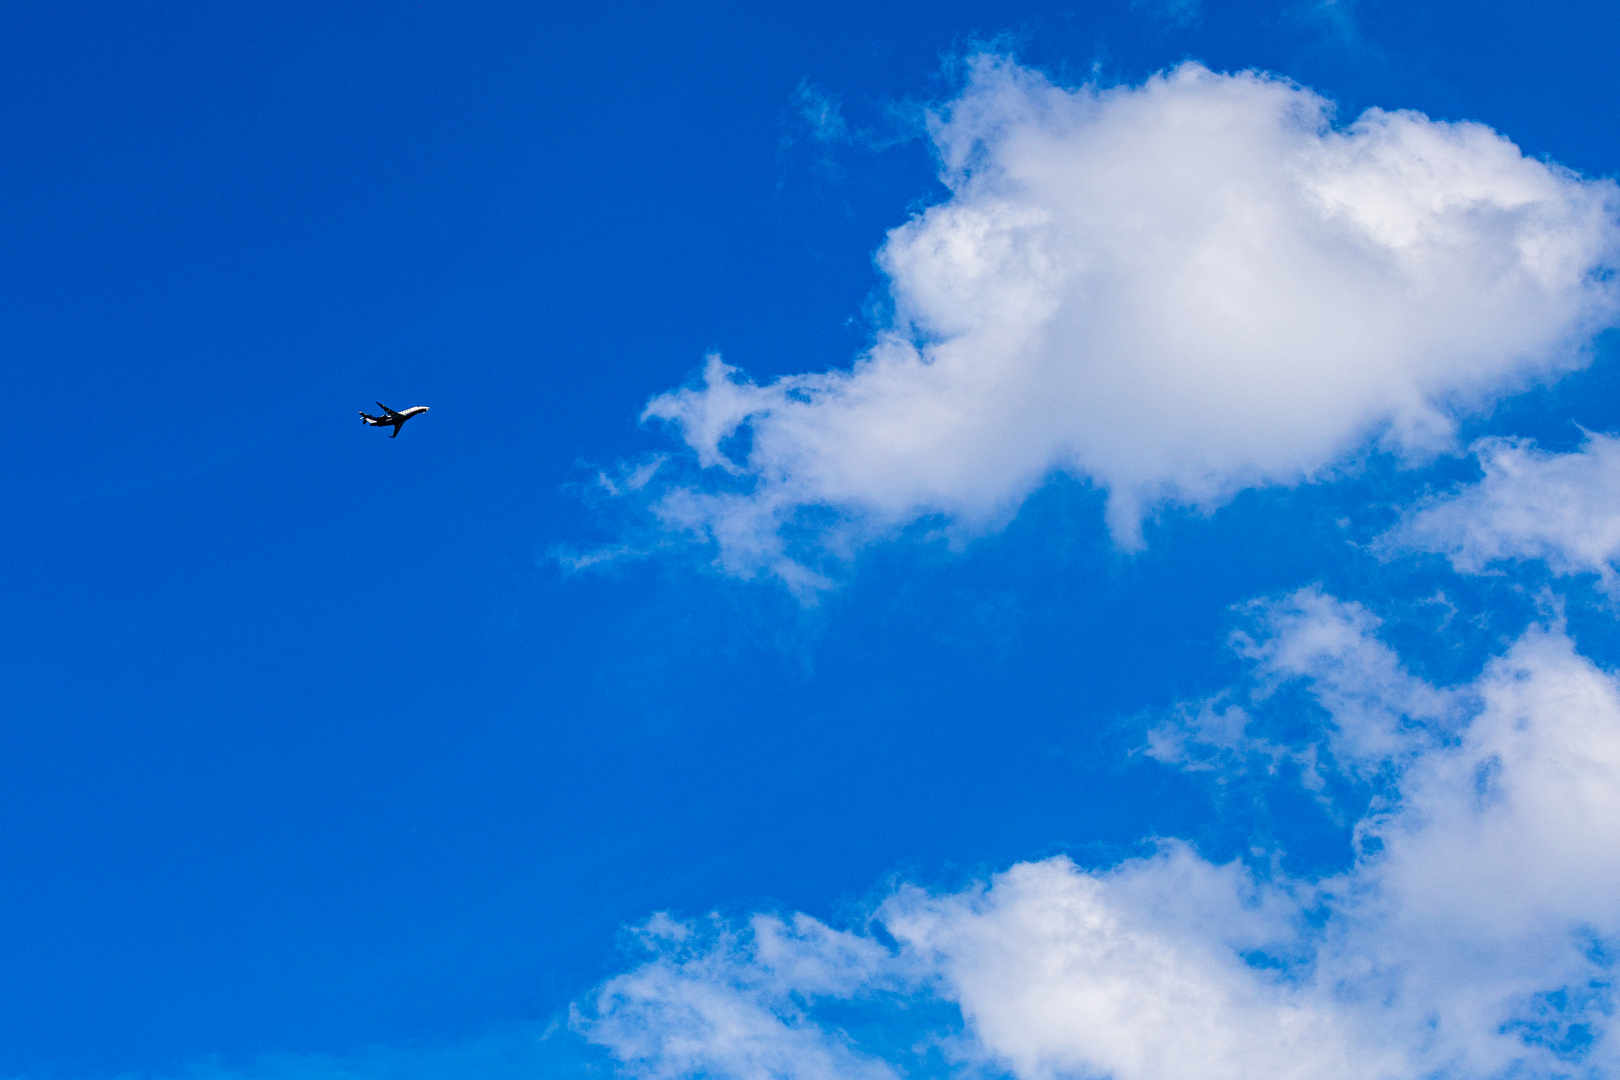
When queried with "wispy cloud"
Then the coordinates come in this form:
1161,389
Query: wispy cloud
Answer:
1174,13
820,114
1378,714
738,1001
1561,509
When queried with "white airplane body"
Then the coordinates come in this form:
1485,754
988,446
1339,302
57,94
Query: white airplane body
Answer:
392,417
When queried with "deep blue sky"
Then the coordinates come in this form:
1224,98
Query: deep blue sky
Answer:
305,743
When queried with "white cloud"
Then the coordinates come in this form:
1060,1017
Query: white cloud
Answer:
1063,973
1501,868
733,1003
1472,936
1560,508
1379,715
821,114
1177,290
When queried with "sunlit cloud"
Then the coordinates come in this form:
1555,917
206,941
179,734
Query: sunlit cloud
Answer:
1470,935
1560,509
1175,291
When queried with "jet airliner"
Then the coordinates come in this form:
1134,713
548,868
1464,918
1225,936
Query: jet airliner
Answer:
397,419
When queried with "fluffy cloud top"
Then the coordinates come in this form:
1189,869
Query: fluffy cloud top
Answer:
1560,508
1176,290
1473,935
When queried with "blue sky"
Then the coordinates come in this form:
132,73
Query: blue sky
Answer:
1139,497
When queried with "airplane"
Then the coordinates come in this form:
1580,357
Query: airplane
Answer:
397,419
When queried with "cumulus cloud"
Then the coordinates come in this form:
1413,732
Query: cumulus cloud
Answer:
1135,973
1563,509
1472,935
1175,290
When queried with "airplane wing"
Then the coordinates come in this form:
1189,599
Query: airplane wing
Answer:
386,409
